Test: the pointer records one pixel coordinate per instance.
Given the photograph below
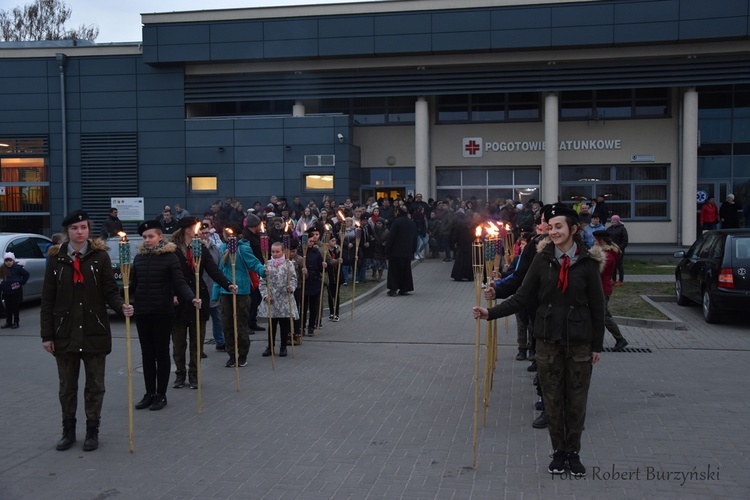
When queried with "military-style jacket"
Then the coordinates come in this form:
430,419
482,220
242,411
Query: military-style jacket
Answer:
575,317
74,316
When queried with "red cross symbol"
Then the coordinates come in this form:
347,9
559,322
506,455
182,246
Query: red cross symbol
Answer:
472,147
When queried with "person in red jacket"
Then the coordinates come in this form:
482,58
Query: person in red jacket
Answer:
709,214
603,242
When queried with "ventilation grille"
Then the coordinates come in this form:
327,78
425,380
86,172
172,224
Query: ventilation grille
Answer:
24,145
320,160
629,349
109,169
486,79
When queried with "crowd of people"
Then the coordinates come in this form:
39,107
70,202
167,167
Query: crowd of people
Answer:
268,265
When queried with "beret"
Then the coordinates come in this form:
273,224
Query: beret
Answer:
75,216
600,234
187,222
149,224
252,220
558,209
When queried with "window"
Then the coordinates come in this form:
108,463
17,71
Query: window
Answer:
316,182
23,172
463,108
608,104
635,192
489,184
25,248
198,184
239,108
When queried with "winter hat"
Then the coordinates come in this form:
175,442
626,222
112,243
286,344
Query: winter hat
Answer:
74,217
615,218
253,220
9,255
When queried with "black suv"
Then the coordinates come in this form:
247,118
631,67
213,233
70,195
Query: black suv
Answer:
714,273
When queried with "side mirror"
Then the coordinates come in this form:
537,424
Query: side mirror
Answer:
680,254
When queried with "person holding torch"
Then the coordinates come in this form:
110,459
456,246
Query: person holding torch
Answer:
564,281
78,286
245,261
184,323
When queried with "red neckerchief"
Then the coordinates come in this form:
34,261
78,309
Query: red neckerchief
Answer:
77,274
562,278
190,261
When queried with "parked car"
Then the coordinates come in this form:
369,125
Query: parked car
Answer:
714,272
32,250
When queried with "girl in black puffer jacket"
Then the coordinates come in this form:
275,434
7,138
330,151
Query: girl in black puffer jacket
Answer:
156,279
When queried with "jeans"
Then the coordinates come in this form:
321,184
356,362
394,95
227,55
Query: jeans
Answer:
216,326
446,244
421,243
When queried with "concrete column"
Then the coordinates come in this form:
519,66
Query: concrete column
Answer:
550,169
298,110
689,166
422,147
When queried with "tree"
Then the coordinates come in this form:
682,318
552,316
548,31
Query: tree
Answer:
42,20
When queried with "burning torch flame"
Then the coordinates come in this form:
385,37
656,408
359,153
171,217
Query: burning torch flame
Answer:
197,228
492,230
123,236
341,215
262,227
478,232
229,232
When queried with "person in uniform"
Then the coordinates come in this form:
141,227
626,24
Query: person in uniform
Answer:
184,322
569,327
156,281
78,286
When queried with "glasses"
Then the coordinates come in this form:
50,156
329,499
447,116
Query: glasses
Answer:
204,226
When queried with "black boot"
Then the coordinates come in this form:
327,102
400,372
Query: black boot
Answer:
69,434
92,435
540,422
6,325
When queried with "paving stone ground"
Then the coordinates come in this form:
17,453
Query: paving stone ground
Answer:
381,407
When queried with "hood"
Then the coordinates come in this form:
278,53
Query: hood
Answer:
168,247
546,245
94,244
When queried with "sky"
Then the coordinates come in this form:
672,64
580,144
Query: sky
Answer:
121,21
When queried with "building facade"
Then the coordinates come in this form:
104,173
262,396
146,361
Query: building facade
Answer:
646,102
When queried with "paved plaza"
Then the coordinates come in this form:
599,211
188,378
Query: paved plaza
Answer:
381,407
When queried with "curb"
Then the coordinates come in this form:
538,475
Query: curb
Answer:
662,324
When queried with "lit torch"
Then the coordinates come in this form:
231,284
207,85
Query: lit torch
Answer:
232,249
124,250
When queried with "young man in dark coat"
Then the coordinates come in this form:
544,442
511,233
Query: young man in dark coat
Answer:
111,225
400,247
78,286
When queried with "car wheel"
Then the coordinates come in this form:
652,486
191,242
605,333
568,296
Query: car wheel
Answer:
709,309
681,299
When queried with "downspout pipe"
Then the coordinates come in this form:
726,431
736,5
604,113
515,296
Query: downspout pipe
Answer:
61,59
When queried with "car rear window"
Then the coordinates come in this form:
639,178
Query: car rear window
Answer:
741,250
